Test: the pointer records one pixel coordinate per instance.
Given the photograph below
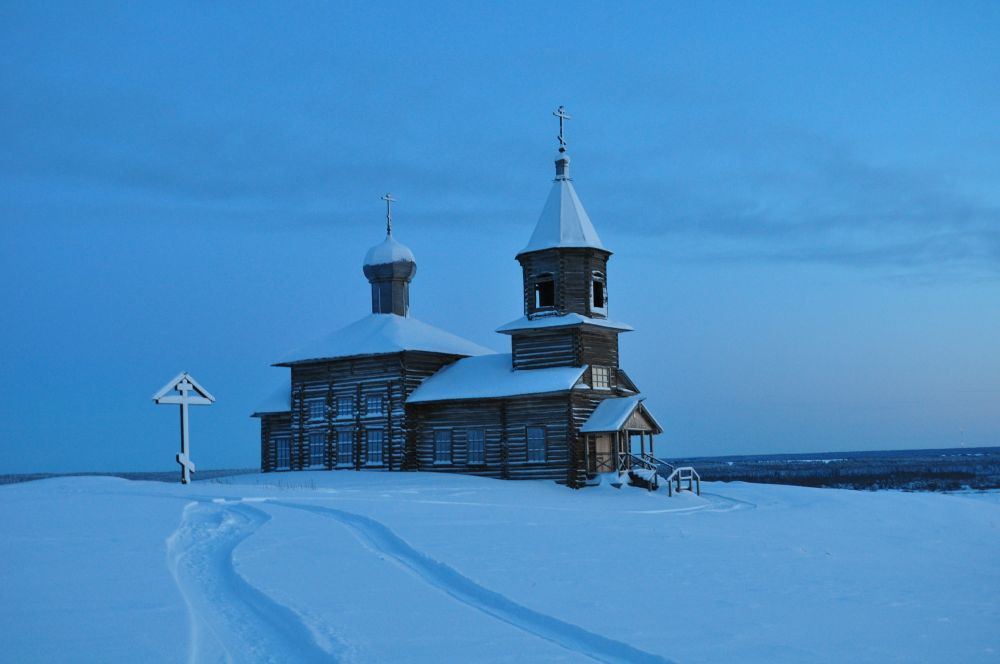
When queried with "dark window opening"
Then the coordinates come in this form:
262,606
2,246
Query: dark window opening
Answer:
545,293
599,301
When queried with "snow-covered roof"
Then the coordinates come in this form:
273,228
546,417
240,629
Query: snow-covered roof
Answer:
491,376
564,222
611,415
279,402
384,333
389,251
566,320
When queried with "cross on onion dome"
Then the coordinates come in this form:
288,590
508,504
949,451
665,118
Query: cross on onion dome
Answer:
389,200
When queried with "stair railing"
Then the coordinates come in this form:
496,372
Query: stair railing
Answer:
659,464
684,474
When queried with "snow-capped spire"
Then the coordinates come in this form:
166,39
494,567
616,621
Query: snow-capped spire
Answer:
563,223
389,267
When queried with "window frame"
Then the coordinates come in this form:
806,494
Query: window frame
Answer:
377,398
369,434
279,442
313,437
345,413
603,371
345,436
316,409
481,431
528,446
439,459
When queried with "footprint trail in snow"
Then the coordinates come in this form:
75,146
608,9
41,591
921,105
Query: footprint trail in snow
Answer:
231,621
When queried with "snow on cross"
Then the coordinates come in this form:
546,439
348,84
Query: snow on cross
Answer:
179,391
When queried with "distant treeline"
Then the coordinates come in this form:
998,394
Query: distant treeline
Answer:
910,470
163,476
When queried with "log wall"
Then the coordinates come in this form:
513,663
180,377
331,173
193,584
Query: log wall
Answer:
505,423
391,376
572,271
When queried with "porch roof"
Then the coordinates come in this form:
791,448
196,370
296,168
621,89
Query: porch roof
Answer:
613,414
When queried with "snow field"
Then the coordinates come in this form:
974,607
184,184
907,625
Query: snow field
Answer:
420,567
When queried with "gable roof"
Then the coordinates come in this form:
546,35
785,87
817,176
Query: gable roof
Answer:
612,414
563,222
167,394
492,377
280,401
383,333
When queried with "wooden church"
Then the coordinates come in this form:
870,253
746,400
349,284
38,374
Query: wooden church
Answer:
390,392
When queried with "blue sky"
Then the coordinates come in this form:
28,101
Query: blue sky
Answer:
803,200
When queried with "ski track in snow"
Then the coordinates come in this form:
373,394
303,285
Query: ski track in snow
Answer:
231,620
733,504
380,538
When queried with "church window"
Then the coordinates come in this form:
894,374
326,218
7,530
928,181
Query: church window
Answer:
545,291
317,409
600,296
442,446
282,447
536,444
476,445
345,407
374,438
600,377
317,445
374,404
345,448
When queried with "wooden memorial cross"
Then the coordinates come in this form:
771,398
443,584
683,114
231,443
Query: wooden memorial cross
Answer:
185,391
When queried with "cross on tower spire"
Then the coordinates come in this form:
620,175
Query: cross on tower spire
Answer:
561,114
389,200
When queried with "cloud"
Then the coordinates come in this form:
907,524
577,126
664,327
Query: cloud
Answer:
743,192
803,199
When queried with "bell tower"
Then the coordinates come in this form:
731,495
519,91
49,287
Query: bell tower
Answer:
389,267
564,264
564,271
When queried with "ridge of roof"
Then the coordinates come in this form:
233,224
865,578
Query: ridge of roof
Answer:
377,334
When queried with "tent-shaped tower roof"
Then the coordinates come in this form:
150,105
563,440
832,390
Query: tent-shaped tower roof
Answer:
564,222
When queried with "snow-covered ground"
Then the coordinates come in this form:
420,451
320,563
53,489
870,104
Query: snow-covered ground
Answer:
369,567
